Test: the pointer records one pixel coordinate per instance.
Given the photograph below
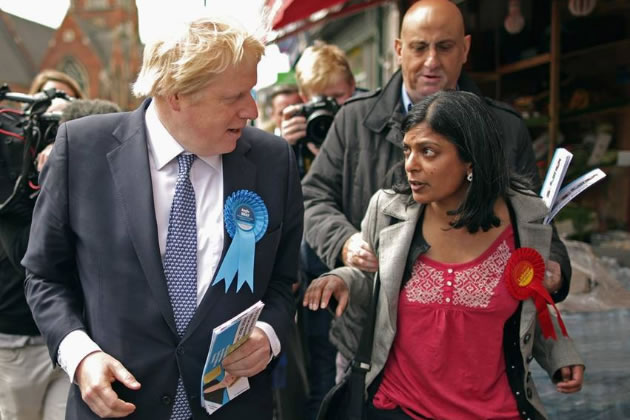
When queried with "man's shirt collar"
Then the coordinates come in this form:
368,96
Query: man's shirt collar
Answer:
407,104
406,100
163,147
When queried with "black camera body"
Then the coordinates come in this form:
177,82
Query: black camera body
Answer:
23,134
319,113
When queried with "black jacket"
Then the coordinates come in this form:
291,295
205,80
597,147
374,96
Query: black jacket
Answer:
360,156
15,315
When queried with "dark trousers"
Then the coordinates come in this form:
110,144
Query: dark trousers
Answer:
290,387
321,363
321,354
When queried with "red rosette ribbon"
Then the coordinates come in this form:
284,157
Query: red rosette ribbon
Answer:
524,275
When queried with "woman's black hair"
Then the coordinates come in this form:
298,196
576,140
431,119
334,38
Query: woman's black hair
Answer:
466,121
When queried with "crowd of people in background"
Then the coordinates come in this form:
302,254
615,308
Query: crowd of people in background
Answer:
447,172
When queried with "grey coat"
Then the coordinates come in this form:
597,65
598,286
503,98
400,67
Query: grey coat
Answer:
388,227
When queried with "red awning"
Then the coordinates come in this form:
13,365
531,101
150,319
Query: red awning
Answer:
290,11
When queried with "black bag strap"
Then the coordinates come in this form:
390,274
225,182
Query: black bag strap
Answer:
361,363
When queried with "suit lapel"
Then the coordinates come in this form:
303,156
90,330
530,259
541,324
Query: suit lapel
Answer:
129,165
239,173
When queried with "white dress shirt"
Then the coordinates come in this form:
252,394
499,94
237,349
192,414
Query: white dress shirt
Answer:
206,176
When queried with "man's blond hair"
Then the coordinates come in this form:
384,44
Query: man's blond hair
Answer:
318,64
189,60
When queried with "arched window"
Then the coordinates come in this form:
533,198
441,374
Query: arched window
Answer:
75,69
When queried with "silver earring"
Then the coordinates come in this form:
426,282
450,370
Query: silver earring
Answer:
469,177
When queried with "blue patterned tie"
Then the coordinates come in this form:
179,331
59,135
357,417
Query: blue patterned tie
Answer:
180,265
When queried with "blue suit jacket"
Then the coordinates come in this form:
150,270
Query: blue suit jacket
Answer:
93,261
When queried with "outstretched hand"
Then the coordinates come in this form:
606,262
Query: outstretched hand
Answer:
320,291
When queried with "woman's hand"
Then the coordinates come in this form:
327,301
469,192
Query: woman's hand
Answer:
319,292
553,277
569,379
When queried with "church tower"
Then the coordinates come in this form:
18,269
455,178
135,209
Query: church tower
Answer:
99,45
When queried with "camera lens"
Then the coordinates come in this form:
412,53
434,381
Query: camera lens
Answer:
318,125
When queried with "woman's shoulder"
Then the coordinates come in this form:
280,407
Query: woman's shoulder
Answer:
388,198
387,205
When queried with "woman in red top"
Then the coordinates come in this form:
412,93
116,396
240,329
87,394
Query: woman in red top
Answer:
450,342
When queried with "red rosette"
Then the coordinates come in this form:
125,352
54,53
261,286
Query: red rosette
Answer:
524,269
524,273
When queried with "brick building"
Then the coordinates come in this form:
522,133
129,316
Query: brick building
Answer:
97,43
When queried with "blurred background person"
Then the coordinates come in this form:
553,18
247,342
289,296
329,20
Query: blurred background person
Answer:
50,78
55,79
30,388
281,97
83,107
77,109
323,71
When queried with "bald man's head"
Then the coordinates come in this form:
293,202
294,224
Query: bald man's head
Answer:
432,47
443,11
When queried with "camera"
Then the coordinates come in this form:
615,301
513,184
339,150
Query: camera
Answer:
319,113
24,133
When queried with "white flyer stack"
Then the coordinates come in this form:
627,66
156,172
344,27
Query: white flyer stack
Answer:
556,197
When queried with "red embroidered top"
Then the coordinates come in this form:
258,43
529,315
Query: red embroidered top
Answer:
447,361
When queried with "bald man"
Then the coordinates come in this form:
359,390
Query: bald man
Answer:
432,48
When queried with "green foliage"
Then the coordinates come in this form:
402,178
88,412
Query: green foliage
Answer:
584,221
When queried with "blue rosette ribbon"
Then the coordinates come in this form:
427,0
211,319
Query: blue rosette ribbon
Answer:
246,220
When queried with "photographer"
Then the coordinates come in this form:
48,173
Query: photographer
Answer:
50,78
30,388
45,80
325,82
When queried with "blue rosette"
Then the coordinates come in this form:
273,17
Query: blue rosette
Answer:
246,219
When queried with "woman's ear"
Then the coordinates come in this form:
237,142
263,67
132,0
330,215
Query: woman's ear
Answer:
469,172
